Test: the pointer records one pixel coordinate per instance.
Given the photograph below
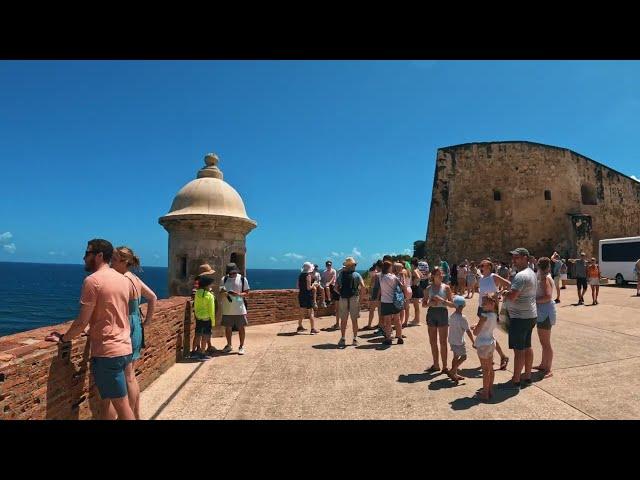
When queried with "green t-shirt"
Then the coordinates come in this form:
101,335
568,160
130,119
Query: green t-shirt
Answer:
204,306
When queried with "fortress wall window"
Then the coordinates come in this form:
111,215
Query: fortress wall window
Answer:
547,194
496,195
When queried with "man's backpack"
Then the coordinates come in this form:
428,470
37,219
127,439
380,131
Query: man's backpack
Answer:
348,285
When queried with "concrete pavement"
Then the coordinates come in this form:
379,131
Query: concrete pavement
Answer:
290,376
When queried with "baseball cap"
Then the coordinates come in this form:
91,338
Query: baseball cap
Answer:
459,301
520,251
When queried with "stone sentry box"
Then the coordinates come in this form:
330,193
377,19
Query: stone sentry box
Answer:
207,223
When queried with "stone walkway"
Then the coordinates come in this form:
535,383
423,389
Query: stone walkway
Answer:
289,376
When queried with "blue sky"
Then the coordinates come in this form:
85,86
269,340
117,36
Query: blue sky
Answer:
324,153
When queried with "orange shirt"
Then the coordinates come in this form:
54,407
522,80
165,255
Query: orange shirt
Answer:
593,271
109,330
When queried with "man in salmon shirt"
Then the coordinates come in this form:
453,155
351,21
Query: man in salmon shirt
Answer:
104,306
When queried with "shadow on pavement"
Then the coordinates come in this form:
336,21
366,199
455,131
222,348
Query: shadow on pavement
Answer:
370,335
287,334
376,340
471,372
442,383
501,392
417,377
326,346
373,346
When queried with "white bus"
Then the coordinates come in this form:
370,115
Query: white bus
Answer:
618,256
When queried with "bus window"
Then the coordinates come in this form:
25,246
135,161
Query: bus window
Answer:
620,252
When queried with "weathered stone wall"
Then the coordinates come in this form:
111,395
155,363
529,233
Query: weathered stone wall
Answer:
41,380
466,222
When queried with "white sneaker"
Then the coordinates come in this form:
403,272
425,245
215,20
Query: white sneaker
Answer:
241,351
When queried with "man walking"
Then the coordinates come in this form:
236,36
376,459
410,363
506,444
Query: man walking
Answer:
348,284
581,275
233,291
556,267
104,306
523,313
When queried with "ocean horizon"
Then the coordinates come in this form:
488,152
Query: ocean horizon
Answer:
34,295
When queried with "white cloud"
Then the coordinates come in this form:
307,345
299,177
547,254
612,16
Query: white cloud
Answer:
273,259
407,251
355,252
632,176
295,256
5,237
10,248
335,254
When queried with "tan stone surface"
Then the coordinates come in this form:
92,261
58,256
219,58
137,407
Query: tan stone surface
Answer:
467,175
288,376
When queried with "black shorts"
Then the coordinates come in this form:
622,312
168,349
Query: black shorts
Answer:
581,282
417,290
334,295
437,317
388,309
374,294
520,332
203,327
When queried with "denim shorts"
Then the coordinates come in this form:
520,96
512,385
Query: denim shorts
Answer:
108,373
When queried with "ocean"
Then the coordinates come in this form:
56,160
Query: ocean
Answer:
34,295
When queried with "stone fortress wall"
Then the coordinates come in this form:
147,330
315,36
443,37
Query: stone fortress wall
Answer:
489,198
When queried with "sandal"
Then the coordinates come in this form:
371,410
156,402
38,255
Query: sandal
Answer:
432,368
539,367
503,363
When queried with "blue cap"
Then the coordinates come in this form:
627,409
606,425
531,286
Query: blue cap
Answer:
459,301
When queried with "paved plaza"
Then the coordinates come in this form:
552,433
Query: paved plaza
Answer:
289,376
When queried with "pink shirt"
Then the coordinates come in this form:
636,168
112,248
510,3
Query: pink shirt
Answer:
109,330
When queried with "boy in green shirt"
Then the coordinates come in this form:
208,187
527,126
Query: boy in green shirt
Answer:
204,307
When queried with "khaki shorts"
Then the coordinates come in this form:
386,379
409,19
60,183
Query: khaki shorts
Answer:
557,281
459,350
349,306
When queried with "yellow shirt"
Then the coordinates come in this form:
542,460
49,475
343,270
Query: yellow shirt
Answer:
204,306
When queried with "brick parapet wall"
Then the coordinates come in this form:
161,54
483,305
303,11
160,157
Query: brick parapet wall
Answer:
42,380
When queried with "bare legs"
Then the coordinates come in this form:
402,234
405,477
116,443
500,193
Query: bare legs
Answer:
309,312
595,289
372,310
547,352
416,311
442,333
133,390
453,373
487,377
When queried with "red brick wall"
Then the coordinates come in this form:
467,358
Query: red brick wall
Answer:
41,380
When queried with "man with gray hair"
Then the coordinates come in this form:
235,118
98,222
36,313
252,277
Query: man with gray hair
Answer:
520,300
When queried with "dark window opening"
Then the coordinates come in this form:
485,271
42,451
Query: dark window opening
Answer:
588,195
496,195
620,252
182,272
238,259
547,194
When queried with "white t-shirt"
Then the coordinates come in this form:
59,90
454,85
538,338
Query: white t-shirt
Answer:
388,283
485,337
458,325
236,305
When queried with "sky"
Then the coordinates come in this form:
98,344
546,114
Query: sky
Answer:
331,158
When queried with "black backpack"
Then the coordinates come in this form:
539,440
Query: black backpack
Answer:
348,285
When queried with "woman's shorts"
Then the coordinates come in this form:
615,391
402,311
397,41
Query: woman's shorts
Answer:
306,301
459,350
408,296
388,309
486,351
437,317
203,327
546,315
471,279
594,281
418,292
520,332
108,373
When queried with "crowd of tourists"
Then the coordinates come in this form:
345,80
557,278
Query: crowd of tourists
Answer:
517,296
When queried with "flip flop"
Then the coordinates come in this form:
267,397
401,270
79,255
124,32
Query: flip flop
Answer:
547,374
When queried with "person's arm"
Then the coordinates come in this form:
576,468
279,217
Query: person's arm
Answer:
309,284
478,327
501,282
87,304
449,300
245,288
151,301
473,342
362,285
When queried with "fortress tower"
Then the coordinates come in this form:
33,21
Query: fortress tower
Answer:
489,198
207,223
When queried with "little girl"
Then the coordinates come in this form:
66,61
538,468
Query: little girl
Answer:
485,343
